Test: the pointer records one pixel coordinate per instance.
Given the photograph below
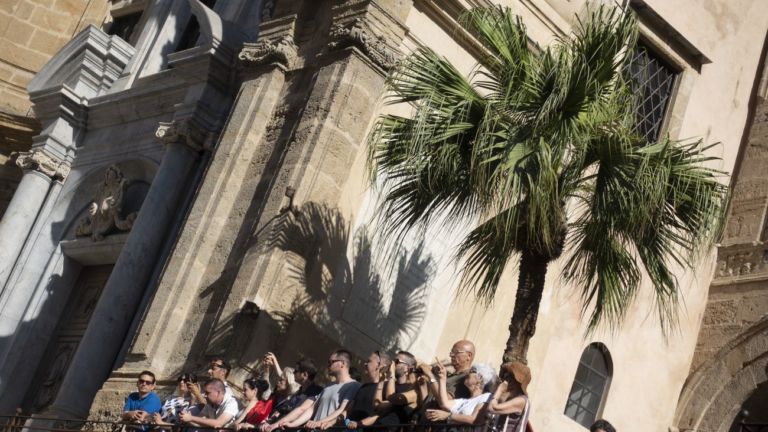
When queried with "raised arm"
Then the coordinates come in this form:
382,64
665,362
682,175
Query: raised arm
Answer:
271,360
442,391
384,389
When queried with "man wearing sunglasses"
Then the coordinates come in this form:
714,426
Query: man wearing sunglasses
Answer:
219,370
140,405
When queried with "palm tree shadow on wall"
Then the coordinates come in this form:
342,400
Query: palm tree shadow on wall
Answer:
339,287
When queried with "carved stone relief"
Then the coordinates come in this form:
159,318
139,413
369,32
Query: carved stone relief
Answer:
275,45
281,50
105,214
50,385
357,34
72,326
184,132
41,161
742,260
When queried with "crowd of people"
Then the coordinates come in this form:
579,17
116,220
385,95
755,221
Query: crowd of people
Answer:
396,390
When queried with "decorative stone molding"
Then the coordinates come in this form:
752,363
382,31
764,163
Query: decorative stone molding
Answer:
281,50
275,45
87,65
105,214
184,132
42,162
357,34
743,262
370,28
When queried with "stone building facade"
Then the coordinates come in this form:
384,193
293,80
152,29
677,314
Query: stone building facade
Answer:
198,187
30,33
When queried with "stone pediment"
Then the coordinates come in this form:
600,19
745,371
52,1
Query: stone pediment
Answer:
87,65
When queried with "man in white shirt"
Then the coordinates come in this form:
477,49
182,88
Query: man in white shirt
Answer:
219,369
220,410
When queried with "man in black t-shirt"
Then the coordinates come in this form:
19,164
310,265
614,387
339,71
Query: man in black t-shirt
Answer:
304,374
363,407
401,398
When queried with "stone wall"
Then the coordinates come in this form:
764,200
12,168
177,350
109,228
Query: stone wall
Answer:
31,31
729,365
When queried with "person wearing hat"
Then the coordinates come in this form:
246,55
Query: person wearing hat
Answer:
510,401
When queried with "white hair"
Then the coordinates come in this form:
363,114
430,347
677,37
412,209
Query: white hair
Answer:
486,372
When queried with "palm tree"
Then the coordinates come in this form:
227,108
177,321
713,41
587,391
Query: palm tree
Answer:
540,145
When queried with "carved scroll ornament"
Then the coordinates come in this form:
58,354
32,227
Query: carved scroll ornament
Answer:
105,212
42,162
183,132
356,33
281,50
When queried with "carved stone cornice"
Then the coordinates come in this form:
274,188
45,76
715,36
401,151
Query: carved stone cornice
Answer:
44,163
184,132
365,25
88,65
741,263
275,45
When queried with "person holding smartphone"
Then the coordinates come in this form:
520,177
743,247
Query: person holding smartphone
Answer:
363,406
186,399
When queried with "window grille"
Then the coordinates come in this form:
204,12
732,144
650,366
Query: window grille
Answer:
652,81
590,385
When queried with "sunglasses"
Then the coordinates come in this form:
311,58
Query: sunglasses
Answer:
141,381
216,366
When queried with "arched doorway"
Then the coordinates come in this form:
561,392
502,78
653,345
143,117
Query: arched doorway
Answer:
719,389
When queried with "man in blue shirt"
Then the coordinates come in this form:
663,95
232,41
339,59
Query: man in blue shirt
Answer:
140,406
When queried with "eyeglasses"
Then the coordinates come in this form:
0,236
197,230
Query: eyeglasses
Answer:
455,353
141,381
216,365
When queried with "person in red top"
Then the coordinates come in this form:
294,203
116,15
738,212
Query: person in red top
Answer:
256,409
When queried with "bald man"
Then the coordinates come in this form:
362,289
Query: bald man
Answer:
462,355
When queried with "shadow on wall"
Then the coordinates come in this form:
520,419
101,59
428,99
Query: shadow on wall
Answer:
344,291
335,297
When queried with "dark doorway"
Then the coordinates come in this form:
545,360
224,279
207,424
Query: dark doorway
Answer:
74,320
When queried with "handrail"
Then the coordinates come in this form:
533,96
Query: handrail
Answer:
19,423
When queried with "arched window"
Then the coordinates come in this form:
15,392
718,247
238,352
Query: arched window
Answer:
590,386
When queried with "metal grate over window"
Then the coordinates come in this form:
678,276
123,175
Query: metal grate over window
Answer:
590,385
652,81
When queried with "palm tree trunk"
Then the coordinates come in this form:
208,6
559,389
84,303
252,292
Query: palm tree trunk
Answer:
533,270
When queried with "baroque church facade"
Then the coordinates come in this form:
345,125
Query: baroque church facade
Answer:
192,183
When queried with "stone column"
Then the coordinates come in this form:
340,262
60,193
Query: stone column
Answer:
40,170
122,295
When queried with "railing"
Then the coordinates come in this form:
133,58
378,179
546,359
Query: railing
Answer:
753,427
22,423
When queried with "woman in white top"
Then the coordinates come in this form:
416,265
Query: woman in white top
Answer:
479,379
